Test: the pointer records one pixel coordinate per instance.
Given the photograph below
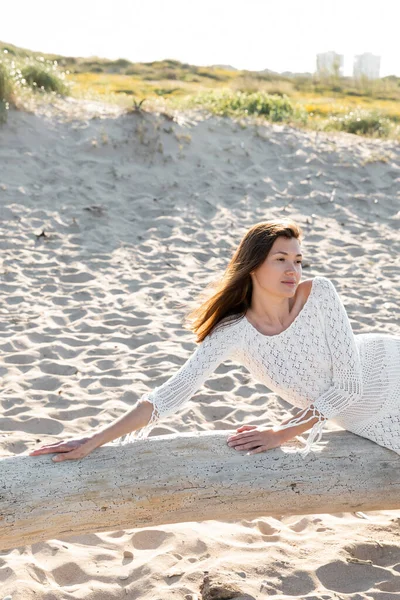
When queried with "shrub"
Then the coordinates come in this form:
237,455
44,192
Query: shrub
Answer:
3,82
225,103
164,92
121,62
362,122
19,76
43,79
8,50
5,92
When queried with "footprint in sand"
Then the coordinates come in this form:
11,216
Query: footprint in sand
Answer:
71,571
77,277
300,525
266,528
47,384
348,578
20,359
391,585
53,368
150,539
298,583
382,555
32,425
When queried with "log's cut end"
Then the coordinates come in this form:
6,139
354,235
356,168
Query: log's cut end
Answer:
190,477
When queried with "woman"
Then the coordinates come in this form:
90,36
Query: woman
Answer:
293,336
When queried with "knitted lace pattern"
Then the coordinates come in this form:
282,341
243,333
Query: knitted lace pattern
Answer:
317,364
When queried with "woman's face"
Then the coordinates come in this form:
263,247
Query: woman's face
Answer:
282,264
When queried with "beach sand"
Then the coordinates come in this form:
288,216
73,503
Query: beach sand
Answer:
109,224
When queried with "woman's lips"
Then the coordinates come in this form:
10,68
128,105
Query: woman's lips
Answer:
288,283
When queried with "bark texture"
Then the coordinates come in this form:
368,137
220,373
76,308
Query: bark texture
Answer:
189,477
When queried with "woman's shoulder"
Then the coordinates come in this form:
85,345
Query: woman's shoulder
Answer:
319,281
304,288
307,286
228,325
317,286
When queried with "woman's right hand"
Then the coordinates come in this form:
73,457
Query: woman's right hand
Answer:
69,449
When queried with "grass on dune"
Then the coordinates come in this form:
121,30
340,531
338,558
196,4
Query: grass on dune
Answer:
43,79
273,99
230,103
362,107
21,77
5,92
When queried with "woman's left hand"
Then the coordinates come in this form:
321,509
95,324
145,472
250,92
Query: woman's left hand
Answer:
253,438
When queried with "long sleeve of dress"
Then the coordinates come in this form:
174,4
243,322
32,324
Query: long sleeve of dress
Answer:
346,383
171,395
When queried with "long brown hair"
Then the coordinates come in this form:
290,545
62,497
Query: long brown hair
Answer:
229,297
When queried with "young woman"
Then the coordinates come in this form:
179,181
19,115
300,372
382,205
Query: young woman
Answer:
294,336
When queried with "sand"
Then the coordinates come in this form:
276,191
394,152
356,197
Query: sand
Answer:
109,224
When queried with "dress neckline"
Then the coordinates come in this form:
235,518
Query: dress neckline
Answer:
292,323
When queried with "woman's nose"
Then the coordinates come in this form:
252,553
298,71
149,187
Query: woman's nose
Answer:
292,272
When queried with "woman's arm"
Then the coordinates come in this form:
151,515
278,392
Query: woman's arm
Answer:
136,418
346,384
76,448
259,439
289,433
161,401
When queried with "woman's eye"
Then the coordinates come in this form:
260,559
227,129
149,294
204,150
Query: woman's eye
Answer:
299,261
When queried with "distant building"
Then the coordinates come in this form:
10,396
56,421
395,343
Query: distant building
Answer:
367,64
330,63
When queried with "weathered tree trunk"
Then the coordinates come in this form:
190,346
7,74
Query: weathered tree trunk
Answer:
189,477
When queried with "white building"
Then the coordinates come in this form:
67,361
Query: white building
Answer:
330,63
366,64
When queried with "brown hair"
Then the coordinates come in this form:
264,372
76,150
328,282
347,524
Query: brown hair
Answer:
230,296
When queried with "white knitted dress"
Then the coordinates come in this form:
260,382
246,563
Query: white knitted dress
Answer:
317,362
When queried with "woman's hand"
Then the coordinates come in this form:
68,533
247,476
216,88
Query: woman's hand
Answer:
256,439
70,449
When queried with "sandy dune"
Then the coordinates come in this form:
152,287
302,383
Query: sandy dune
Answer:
108,226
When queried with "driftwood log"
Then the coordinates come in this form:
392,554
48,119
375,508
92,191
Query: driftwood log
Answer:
189,477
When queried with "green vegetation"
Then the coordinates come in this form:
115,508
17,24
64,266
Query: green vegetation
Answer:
23,75
361,122
44,79
230,103
323,103
5,93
